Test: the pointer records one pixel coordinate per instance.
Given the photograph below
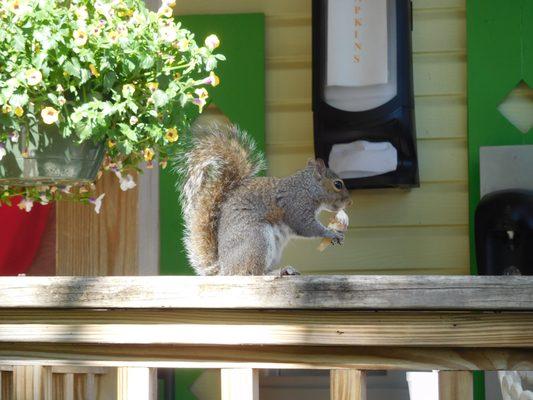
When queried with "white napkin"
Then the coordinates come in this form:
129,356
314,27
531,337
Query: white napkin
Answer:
361,158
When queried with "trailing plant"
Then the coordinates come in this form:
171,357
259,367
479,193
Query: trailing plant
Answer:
106,71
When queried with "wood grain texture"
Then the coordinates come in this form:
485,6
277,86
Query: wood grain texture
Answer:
90,244
347,384
6,385
239,384
300,357
295,328
456,385
136,383
32,382
270,292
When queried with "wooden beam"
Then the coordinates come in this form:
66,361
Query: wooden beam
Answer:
456,385
32,382
99,244
301,292
300,357
239,384
248,327
347,384
135,383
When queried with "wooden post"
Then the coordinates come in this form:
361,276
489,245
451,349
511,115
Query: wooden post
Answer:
239,384
90,387
68,386
136,383
347,384
456,385
32,383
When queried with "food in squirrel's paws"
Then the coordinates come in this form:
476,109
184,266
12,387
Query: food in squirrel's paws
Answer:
338,223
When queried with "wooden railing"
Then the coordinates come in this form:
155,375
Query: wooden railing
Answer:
240,324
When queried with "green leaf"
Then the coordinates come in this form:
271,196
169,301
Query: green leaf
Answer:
147,62
128,132
72,69
160,98
109,79
19,100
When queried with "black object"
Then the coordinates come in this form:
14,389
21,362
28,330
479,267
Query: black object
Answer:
393,121
504,233
167,383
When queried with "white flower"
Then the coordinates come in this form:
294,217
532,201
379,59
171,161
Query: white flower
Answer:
133,120
44,199
97,202
81,13
33,77
49,115
61,100
2,151
26,204
14,136
80,37
212,42
128,90
127,183
168,33
66,189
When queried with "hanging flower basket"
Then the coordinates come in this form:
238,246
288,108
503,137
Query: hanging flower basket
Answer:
90,83
49,160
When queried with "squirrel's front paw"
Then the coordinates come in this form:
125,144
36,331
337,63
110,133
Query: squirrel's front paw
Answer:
337,237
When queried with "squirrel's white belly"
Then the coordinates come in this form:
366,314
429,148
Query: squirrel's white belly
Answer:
276,237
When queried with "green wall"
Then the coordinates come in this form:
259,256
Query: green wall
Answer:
241,96
500,55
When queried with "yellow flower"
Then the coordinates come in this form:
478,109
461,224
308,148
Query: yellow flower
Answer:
212,42
128,90
165,11
94,70
19,111
80,37
113,37
148,154
6,109
212,79
49,115
152,86
182,45
33,77
111,143
172,135
202,93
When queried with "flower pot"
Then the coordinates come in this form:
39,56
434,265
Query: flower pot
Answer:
48,158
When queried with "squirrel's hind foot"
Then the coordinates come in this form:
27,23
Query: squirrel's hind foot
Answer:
285,271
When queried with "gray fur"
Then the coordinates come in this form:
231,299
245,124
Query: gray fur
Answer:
257,215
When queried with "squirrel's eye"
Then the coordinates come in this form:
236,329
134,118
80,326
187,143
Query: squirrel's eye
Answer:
338,184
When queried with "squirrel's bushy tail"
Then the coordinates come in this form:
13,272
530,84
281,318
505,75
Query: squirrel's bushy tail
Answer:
221,158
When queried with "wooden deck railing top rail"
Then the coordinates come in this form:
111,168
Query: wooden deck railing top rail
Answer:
466,293
369,322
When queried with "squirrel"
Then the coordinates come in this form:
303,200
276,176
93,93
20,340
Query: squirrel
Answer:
236,222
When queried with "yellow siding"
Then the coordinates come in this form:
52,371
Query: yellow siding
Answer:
422,231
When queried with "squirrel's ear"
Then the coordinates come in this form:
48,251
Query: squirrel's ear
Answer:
317,165
320,166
